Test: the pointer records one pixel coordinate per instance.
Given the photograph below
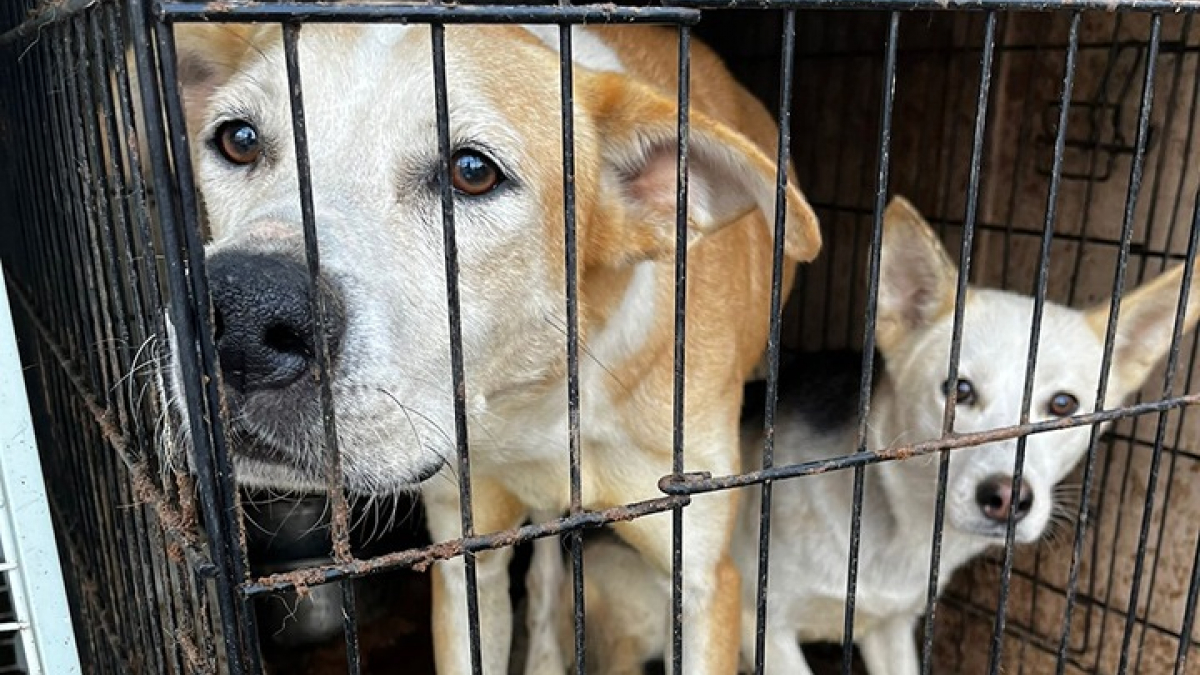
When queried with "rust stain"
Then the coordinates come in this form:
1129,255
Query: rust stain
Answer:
195,657
420,559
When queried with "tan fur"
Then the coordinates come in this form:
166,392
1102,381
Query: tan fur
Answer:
625,144
723,650
728,282
209,55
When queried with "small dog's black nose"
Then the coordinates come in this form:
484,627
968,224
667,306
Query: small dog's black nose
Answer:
264,318
995,498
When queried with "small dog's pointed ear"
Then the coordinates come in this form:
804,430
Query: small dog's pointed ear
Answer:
916,278
728,175
1145,326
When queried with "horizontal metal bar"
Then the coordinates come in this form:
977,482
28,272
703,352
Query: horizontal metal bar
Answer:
13,627
392,12
1022,5
47,14
420,558
1135,249
701,482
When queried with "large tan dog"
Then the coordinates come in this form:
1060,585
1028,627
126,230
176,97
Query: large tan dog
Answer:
369,101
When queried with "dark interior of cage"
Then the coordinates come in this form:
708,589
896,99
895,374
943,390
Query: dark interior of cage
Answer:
934,130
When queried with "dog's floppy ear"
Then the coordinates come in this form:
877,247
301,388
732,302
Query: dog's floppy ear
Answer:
1145,326
728,175
916,279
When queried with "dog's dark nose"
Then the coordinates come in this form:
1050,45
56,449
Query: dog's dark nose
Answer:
264,319
996,498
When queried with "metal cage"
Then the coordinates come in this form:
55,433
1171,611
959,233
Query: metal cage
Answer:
1055,140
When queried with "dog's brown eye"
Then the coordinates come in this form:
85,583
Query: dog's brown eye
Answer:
474,174
237,141
964,392
1063,405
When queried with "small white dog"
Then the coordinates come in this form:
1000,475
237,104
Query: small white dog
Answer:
817,419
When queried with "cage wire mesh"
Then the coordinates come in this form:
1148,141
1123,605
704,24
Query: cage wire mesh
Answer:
102,246
931,158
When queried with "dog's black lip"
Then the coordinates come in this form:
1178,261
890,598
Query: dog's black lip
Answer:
431,471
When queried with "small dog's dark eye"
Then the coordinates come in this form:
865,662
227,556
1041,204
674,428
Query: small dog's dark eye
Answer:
473,174
237,141
964,392
1062,405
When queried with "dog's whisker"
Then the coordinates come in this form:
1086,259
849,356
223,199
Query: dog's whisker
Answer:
408,411
137,363
586,349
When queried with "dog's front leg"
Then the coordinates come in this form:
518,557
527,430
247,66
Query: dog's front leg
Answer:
545,612
711,616
891,649
784,656
711,583
494,509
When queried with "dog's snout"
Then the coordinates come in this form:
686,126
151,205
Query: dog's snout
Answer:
996,498
264,319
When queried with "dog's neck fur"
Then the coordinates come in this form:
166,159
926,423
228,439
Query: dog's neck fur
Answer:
898,505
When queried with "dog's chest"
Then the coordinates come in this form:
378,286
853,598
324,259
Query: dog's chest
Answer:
526,439
528,449
810,541
810,547
883,592
892,581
